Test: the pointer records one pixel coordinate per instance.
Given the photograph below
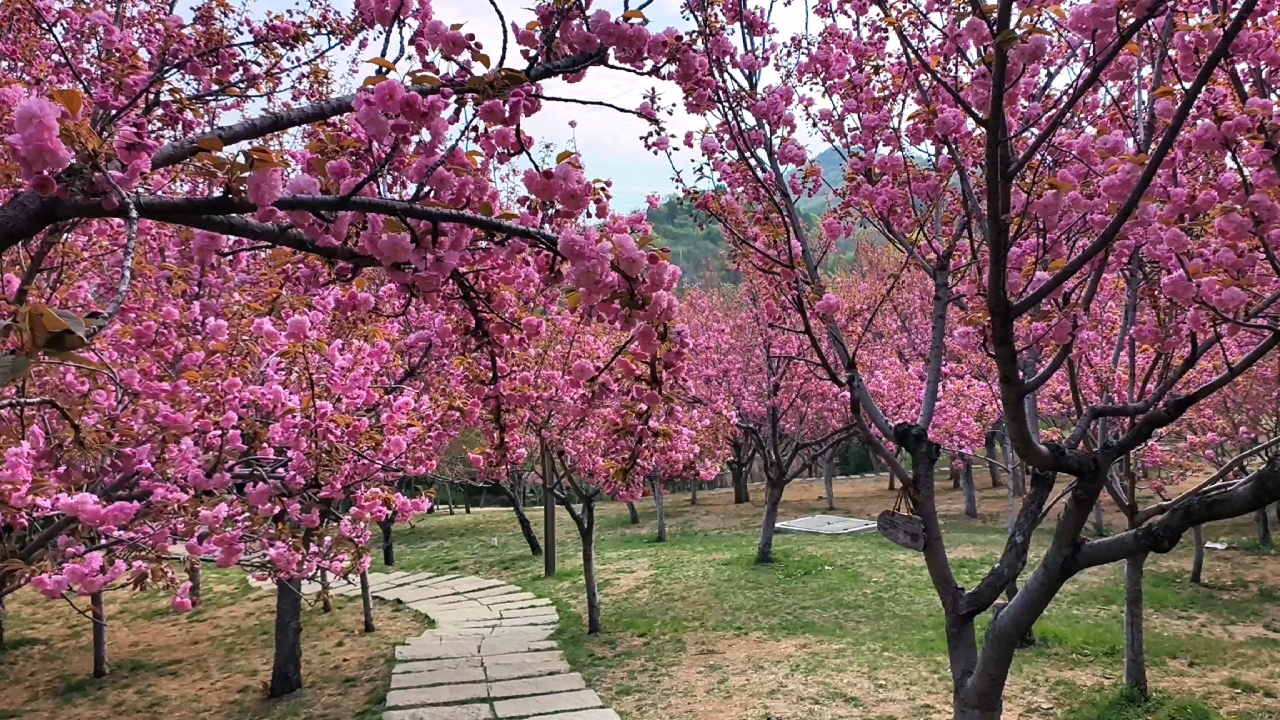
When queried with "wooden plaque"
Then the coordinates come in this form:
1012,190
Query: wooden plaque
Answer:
904,530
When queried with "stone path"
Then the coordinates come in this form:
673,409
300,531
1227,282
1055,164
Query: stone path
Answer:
489,656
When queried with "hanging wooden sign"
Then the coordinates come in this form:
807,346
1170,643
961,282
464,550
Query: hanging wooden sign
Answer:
904,530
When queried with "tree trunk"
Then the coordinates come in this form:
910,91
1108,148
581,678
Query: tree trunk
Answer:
955,474
588,532
970,492
1135,652
992,466
366,602
388,547
526,529
1099,522
662,510
449,489
286,668
693,492
772,499
635,514
828,477
1264,527
1017,478
99,616
548,515
326,601
195,576
1197,563
466,499
741,493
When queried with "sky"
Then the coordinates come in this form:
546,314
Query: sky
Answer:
609,141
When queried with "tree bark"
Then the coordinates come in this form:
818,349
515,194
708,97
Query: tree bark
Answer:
955,473
1197,563
388,546
195,576
1135,651
1099,522
970,492
741,493
326,601
548,514
828,477
466,499
587,529
660,504
773,498
992,466
286,668
526,529
366,602
693,492
1017,478
99,615
1264,527
635,514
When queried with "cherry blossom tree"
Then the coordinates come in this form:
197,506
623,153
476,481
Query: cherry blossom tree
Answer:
1038,164
170,159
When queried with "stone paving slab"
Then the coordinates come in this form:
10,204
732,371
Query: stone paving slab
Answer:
827,525
525,669
518,604
438,677
490,655
597,714
546,704
543,685
498,590
529,612
436,652
441,664
452,712
439,695
512,658
441,579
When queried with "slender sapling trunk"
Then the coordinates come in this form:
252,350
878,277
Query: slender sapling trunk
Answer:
366,601
99,617
1197,562
828,477
326,601
659,503
195,576
388,547
1135,651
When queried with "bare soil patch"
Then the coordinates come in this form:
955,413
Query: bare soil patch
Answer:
212,663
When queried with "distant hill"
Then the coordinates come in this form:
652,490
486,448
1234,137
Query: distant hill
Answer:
696,242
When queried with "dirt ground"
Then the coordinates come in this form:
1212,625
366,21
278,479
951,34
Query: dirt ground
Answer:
731,676
211,663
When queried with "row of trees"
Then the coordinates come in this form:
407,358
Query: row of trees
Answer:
245,304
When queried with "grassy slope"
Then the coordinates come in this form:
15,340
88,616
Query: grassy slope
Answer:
694,630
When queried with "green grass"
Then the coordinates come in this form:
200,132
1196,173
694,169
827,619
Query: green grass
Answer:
1126,704
867,602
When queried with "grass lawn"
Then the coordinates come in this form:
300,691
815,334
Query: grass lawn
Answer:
843,627
849,627
213,662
